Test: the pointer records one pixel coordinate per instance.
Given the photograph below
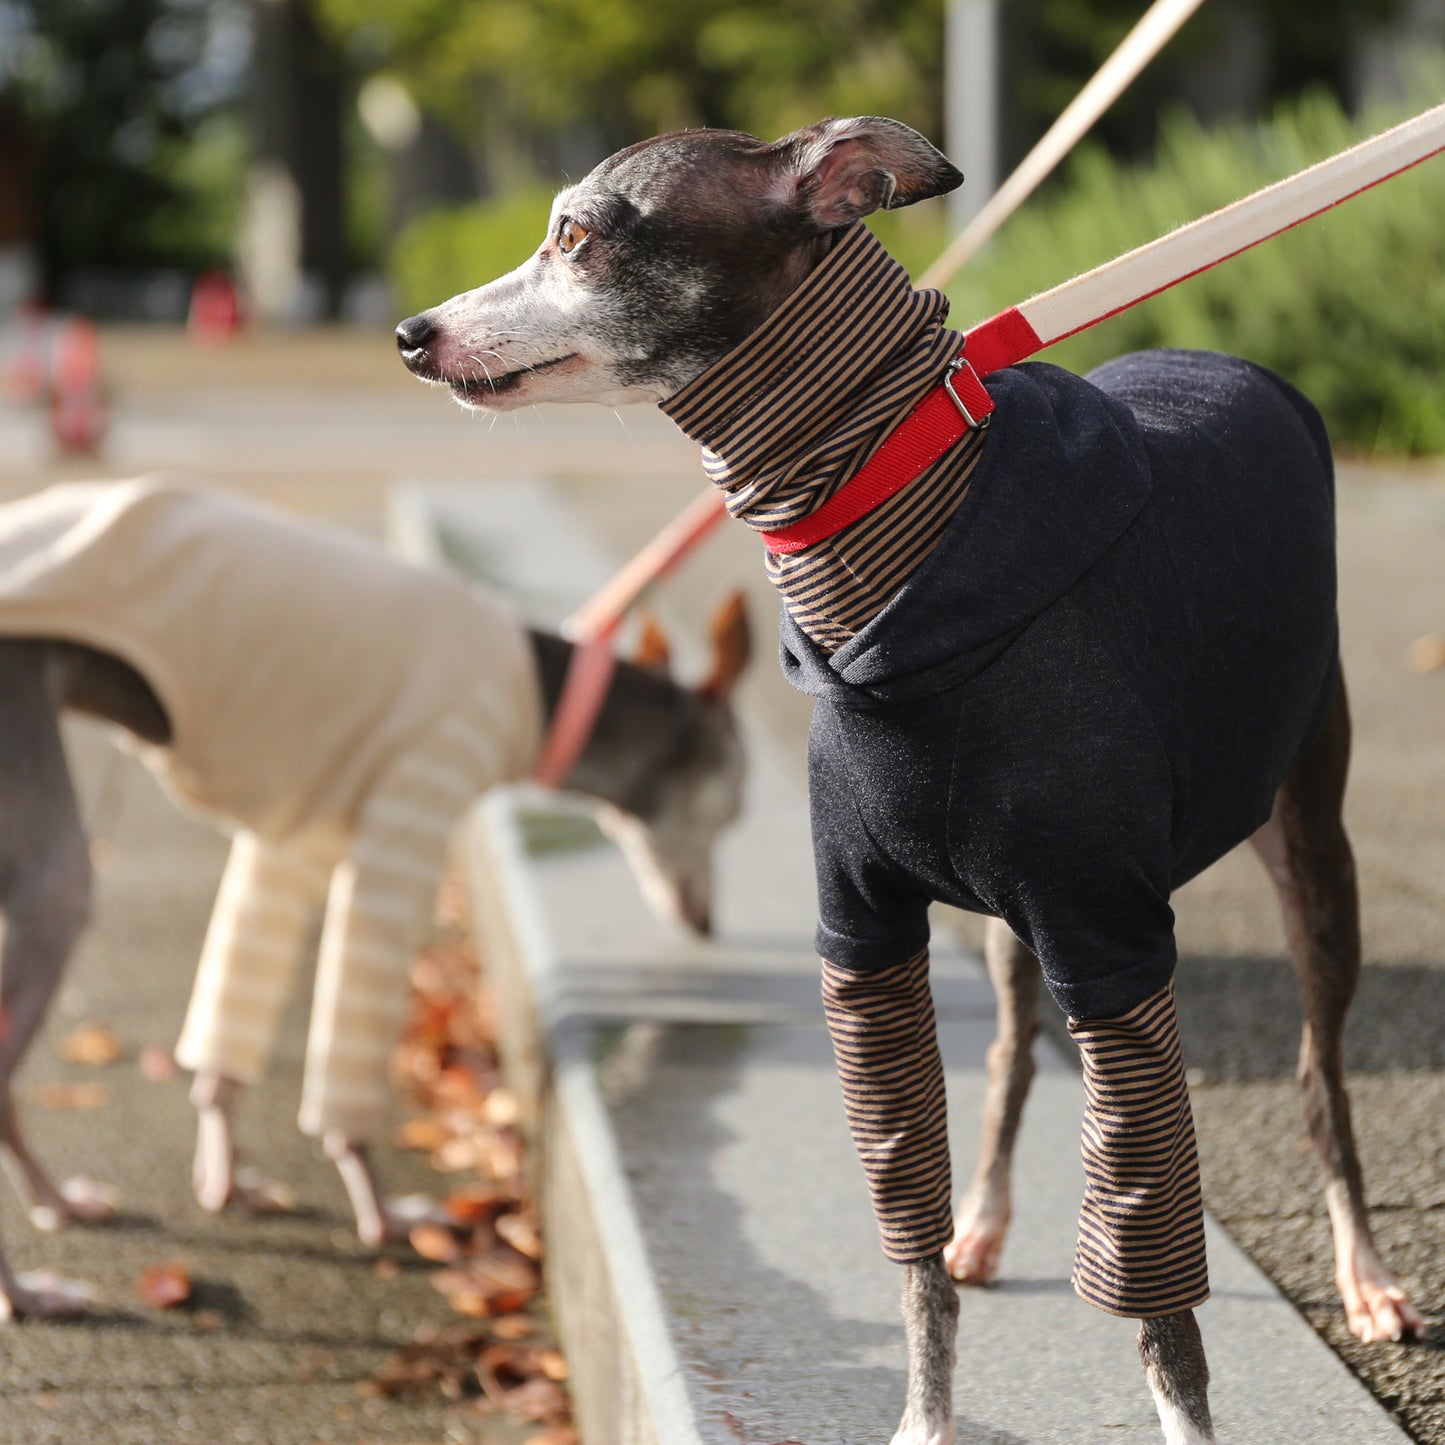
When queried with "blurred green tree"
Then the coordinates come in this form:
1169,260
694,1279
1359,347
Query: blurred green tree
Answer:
127,105
514,81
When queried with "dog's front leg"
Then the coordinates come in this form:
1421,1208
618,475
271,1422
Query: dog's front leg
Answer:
213,1171
374,1223
1174,1364
930,1320
983,1218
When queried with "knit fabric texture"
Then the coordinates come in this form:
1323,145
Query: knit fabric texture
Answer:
794,412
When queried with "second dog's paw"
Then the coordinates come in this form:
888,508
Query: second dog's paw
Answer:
40,1294
79,1201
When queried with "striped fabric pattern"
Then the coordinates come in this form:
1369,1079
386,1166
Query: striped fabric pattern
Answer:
885,1042
378,885
1141,1227
793,413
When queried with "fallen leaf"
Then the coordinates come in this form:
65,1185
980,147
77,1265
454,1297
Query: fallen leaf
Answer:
1427,653
71,1096
92,1044
424,1132
435,1242
164,1286
208,1321
513,1327
520,1232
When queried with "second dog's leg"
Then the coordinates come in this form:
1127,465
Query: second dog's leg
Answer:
1173,1357
45,902
983,1216
1308,856
930,1320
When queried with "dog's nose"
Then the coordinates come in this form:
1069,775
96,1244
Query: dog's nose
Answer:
412,337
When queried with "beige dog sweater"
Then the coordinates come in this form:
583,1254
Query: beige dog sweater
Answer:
294,662
340,706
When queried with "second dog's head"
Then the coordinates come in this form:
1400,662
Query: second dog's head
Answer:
664,258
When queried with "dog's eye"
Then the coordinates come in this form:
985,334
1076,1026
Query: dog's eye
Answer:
571,236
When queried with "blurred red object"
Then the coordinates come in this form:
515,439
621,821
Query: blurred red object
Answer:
215,314
77,407
23,375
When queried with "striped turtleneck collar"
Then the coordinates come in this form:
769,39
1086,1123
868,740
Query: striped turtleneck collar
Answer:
793,412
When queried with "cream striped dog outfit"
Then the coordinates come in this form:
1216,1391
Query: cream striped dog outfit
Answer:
334,706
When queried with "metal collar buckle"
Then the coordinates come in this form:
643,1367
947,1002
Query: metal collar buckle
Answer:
959,362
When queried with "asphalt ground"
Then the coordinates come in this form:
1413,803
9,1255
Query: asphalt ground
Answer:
325,422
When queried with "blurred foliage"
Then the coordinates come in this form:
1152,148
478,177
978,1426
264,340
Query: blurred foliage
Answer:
134,162
454,248
628,68
1350,306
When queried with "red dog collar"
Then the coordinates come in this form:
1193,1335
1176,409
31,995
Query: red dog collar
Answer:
956,406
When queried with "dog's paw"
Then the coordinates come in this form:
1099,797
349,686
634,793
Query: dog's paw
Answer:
922,1434
972,1256
40,1294
78,1201
1378,1308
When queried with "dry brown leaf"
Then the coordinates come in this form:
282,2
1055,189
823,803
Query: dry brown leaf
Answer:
476,1204
435,1242
1427,653
71,1096
513,1327
164,1286
93,1044
425,1132
520,1231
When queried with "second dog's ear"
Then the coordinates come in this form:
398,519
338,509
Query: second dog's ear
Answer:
731,645
838,171
653,650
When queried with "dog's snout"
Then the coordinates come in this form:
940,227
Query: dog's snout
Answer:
412,338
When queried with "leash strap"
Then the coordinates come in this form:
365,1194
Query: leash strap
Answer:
589,675
1020,331
595,626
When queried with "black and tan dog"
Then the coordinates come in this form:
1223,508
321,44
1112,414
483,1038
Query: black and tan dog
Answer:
1064,669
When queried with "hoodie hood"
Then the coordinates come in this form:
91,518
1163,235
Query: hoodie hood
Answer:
1063,475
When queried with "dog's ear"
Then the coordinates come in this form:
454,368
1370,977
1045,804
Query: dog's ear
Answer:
839,170
653,649
732,643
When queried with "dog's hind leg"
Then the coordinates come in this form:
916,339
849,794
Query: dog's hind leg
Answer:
983,1217
45,901
1308,856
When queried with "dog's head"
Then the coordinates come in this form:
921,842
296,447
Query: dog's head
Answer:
693,788
664,258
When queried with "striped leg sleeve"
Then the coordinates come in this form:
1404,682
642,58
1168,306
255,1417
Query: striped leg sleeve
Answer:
269,897
380,903
1141,1226
886,1046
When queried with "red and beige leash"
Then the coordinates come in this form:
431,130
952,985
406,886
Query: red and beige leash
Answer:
961,403
594,629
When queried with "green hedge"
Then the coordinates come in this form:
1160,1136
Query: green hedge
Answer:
455,248
1350,306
